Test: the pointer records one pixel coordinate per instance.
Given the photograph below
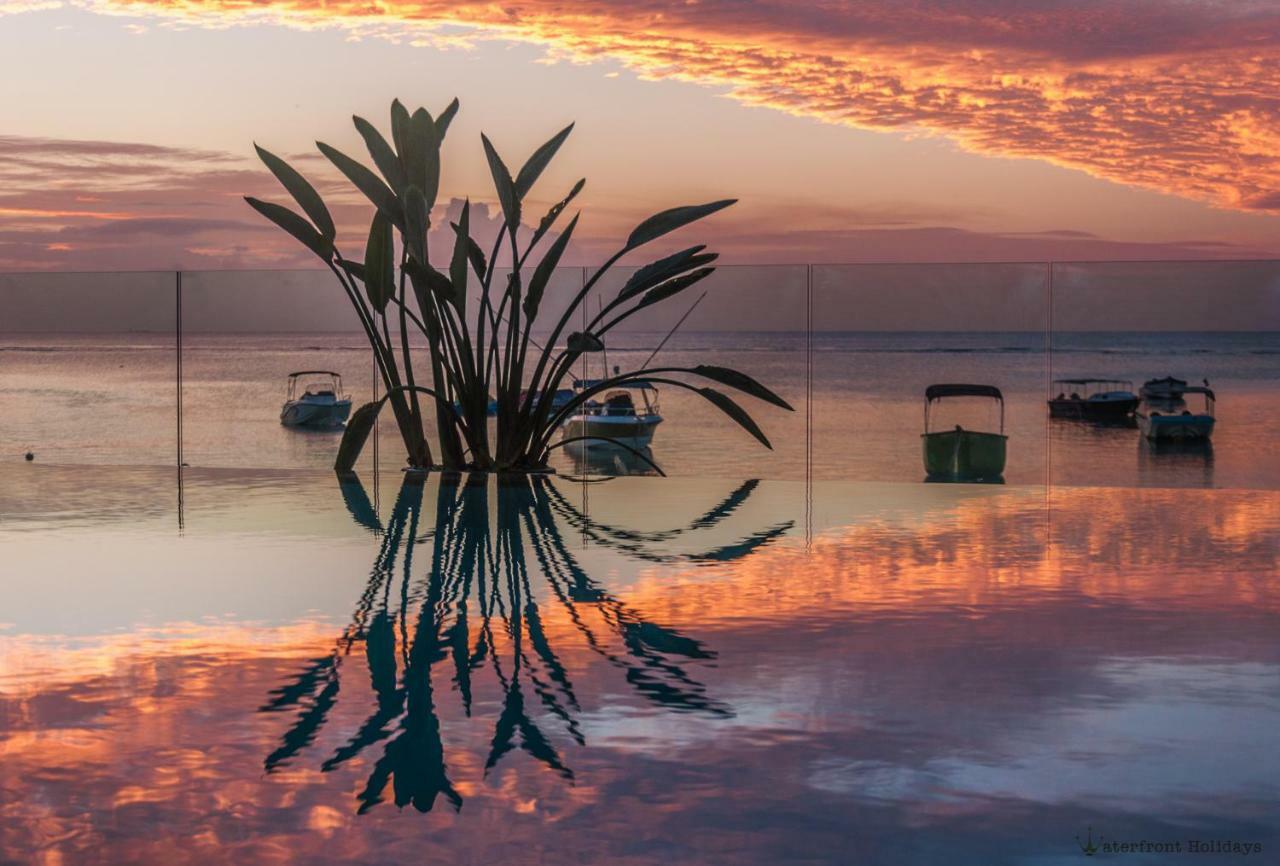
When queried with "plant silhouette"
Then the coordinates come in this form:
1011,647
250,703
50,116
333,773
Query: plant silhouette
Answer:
472,609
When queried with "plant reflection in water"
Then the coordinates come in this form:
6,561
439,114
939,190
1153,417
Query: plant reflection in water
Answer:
473,607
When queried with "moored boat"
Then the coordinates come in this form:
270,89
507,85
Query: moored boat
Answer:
320,404
1100,400
628,415
959,454
1165,389
1159,424
559,398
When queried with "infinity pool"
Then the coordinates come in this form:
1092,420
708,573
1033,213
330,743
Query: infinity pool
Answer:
280,668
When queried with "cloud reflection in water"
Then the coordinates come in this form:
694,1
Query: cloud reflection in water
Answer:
928,678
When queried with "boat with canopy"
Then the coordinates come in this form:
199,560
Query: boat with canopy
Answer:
959,454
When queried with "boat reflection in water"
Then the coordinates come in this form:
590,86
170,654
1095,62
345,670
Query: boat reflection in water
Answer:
603,458
472,610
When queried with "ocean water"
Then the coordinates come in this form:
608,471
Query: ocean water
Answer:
79,399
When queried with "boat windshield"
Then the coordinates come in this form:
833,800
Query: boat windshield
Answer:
623,403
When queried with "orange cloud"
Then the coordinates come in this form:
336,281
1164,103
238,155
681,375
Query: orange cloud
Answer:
1181,100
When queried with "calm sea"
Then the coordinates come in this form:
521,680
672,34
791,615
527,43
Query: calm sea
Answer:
111,399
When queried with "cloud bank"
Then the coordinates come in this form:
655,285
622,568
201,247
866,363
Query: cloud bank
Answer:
1179,96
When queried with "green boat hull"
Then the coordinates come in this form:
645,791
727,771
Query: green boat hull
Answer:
964,455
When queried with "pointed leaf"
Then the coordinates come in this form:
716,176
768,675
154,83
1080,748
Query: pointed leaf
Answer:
726,405
383,156
741,382
504,185
379,264
444,119
302,191
582,343
673,287
423,160
368,183
669,220
474,253
556,209
417,221
663,269
400,128
542,273
295,225
353,438
458,264
535,165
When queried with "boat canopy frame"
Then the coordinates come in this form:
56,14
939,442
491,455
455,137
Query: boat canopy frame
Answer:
1128,382
940,392
1209,397
294,377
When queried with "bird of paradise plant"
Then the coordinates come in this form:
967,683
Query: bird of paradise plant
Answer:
481,347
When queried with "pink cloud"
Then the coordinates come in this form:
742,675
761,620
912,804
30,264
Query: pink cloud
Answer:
1177,97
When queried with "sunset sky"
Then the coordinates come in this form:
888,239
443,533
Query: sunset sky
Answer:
910,130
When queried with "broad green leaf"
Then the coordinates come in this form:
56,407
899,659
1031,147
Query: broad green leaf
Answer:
669,220
444,119
355,435
295,225
581,343
379,263
503,184
474,253
302,191
428,281
554,214
673,287
741,382
383,156
417,220
368,183
726,405
542,273
652,274
400,129
458,264
535,165
423,160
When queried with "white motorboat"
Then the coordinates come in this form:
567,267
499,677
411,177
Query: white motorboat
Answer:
628,415
1160,424
315,400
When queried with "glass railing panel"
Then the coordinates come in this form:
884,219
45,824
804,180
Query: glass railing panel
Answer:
885,333
88,368
243,334
1200,322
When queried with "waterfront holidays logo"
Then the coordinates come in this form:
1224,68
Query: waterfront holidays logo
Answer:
1171,846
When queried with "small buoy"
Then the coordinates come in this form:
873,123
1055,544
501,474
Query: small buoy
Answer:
30,456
